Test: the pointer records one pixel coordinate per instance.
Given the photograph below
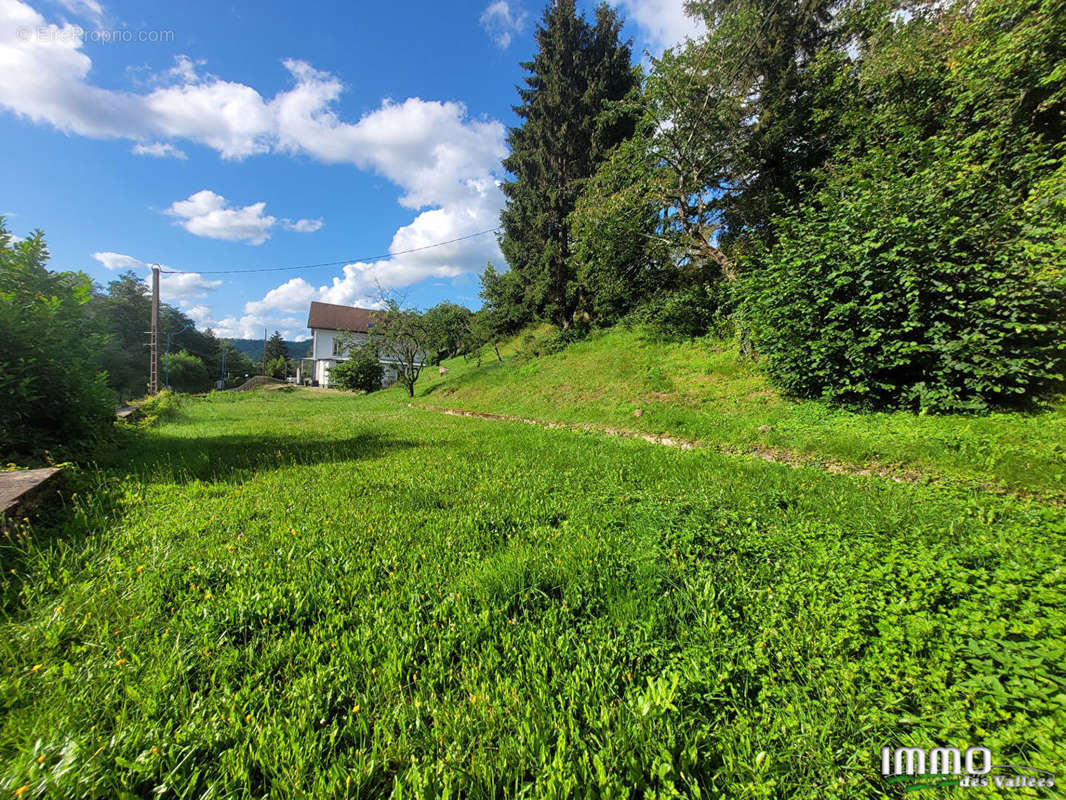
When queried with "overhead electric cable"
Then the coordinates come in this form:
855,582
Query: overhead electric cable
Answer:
331,263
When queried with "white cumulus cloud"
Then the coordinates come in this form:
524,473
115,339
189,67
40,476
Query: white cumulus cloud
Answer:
174,287
206,213
502,22
302,225
159,150
118,261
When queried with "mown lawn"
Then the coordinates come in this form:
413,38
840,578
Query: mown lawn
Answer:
702,390
315,595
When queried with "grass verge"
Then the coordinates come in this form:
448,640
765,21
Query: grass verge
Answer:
701,390
315,595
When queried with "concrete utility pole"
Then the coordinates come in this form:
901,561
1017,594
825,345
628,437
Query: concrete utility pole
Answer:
153,368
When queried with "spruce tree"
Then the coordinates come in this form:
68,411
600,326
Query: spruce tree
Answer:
275,348
579,71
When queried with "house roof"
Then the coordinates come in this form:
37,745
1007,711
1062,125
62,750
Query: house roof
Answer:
326,316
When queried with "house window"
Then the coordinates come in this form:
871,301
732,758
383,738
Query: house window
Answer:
338,347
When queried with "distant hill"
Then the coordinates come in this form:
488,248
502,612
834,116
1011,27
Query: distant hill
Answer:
253,348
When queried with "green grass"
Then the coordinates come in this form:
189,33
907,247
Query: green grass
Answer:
315,595
702,390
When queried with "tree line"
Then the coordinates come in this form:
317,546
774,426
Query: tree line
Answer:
870,196
71,350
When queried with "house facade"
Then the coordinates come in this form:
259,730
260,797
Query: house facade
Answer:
328,323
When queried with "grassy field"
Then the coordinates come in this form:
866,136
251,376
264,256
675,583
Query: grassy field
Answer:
701,390
308,594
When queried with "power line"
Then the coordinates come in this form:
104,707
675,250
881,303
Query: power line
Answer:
331,263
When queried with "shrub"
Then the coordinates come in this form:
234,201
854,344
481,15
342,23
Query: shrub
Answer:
360,373
187,373
686,313
907,287
159,408
52,390
276,367
563,338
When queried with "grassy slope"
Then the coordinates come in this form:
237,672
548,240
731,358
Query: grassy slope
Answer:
312,594
701,390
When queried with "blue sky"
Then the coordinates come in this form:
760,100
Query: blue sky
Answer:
215,136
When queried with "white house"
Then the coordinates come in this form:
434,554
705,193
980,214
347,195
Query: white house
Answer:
327,322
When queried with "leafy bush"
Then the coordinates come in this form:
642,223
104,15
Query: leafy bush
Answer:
687,313
52,390
563,338
159,408
276,367
360,373
187,373
907,287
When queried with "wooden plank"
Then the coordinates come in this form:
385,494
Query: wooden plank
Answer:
22,490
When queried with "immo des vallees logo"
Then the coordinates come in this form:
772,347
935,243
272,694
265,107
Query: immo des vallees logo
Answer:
951,766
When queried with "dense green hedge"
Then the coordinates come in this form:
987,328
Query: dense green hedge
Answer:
52,391
907,286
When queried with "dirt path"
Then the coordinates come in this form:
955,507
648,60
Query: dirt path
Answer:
772,455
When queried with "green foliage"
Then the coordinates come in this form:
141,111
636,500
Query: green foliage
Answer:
276,367
362,372
274,349
891,187
560,340
927,273
687,313
619,254
159,407
53,394
253,348
123,311
567,128
401,336
772,79
239,367
878,297
433,594
449,328
506,311
187,373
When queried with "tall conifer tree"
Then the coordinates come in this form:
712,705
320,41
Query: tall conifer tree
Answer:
579,70
275,348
